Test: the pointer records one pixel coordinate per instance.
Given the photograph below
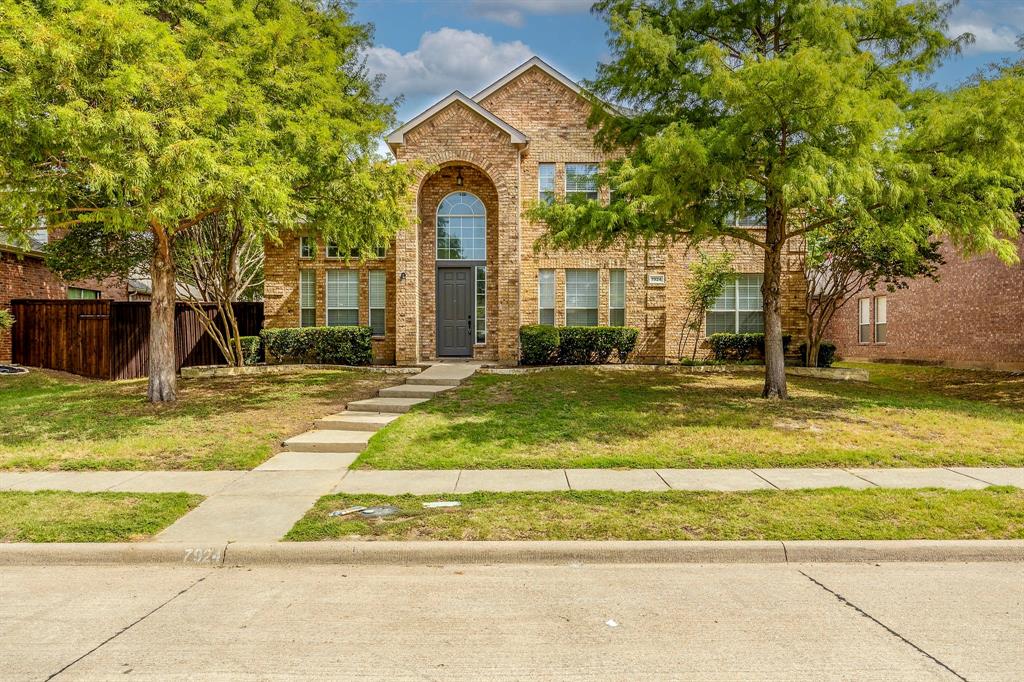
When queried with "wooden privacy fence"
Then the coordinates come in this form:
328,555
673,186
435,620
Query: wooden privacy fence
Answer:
110,339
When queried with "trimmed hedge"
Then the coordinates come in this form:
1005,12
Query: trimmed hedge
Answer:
250,349
320,345
546,345
826,354
741,347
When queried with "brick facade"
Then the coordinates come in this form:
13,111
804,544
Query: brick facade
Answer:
25,275
971,317
462,138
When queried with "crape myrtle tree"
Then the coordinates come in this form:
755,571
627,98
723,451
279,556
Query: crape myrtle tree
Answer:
155,116
801,113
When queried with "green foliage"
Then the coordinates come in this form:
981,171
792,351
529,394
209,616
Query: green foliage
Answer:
740,347
319,345
708,278
6,320
90,250
826,354
545,345
538,344
800,114
250,349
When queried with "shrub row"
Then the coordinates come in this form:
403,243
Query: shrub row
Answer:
826,354
740,347
320,345
546,345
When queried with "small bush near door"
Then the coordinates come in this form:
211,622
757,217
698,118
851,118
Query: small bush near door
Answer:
319,345
546,345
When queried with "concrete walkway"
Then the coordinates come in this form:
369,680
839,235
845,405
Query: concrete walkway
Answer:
263,504
427,482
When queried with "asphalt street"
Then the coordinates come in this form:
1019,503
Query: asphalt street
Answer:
906,621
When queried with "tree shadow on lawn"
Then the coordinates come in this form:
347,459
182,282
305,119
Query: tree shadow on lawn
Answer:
54,407
571,406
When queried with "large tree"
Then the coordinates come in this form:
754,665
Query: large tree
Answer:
800,113
155,116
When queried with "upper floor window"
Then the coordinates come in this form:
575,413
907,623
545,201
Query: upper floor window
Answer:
307,247
581,180
546,183
461,228
740,308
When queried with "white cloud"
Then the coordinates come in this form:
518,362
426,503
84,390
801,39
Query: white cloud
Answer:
996,25
445,60
513,12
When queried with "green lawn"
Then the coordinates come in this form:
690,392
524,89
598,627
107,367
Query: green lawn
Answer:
58,516
825,514
906,416
57,421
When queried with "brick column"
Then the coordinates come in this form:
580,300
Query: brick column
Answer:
407,288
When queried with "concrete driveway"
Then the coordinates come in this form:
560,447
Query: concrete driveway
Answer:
725,622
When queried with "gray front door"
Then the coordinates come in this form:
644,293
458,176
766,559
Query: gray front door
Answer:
455,311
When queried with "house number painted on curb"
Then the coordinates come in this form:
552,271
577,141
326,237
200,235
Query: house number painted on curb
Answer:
202,555
656,279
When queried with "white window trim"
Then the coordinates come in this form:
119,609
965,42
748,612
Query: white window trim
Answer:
304,308
624,288
311,256
736,309
554,180
554,294
565,302
327,298
870,321
874,320
565,177
476,318
369,303
436,231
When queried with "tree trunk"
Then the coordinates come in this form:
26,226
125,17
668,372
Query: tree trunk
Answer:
162,375
813,345
771,293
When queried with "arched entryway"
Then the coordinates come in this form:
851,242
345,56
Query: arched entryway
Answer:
458,244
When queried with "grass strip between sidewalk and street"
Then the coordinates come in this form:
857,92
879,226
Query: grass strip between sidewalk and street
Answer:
821,514
60,516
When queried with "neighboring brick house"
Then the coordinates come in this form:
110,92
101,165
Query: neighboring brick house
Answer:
23,274
973,316
463,278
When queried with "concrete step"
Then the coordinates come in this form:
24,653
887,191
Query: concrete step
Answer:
407,391
385,405
356,421
457,372
329,440
420,380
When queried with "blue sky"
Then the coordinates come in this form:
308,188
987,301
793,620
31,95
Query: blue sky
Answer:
427,48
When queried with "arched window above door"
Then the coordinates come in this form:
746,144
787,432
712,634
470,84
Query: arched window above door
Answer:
461,228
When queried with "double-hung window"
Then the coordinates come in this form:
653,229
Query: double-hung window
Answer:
481,304
546,183
377,285
864,320
739,309
617,298
581,180
546,296
307,298
332,249
581,298
342,298
307,247
881,313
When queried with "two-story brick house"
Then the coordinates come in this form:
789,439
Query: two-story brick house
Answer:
464,276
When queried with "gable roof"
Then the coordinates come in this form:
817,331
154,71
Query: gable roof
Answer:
398,136
523,68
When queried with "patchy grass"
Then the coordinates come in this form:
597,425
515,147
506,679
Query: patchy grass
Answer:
824,514
58,516
52,420
905,416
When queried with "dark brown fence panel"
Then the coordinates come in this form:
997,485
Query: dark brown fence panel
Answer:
110,340
70,336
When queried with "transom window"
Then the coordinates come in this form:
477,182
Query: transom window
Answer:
740,308
461,228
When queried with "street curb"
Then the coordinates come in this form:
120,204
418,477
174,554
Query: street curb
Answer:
419,553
